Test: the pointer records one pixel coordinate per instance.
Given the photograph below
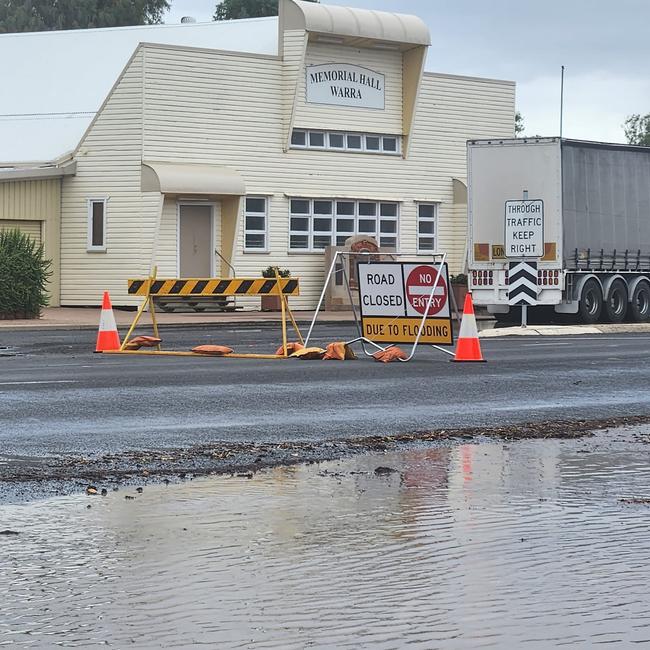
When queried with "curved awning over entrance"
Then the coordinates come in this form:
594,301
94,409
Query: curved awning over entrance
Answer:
356,23
191,178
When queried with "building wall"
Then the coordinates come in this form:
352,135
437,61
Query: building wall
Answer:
108,166
35,206
204,106
388,63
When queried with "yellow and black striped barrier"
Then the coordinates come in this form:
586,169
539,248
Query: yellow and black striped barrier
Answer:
213,287
151,288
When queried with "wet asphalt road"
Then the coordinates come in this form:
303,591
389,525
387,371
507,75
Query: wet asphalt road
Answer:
56,396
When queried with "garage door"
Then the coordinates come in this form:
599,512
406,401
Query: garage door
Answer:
31,228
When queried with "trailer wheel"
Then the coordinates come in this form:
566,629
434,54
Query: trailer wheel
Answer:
591,302
616,303
640,303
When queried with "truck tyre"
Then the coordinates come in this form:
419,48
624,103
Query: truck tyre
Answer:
616,302
640,303
591,302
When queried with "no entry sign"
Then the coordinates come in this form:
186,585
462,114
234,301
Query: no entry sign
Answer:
418,290
394,297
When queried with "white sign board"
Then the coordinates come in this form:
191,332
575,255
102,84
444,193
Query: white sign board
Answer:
394,298
524,228
343,84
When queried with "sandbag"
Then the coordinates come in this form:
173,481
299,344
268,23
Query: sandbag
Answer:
212,350
291,348
339,351
308,353
390,354
143,341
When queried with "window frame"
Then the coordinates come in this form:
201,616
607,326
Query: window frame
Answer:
247,231
299,146
334,232
90,202
434,220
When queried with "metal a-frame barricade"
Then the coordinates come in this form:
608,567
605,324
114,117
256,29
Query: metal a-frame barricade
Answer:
151,287
438,261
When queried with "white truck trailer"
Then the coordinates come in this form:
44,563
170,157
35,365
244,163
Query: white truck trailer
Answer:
576,213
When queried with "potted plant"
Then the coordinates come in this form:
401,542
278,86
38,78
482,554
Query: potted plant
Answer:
460,287
272,301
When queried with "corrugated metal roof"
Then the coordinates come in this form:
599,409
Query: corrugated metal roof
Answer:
52,83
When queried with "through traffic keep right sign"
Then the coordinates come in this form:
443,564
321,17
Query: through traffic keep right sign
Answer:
524,222
394,298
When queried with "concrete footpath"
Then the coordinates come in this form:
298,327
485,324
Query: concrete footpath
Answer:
561,330
87,318
83,318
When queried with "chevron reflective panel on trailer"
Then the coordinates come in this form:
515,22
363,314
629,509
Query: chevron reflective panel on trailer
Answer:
522,283
213,287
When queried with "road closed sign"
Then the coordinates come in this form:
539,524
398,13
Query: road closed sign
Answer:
394,298
524,221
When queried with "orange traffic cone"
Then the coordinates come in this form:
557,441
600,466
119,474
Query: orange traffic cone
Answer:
107,337
468,347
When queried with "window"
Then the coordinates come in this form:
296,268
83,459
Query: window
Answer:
318,223
97,225
373,143
298,138
354,141
316,139
427,227
389,143
338,141
255,224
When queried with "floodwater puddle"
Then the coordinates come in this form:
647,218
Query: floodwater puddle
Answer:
535,544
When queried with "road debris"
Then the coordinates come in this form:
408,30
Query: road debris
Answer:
65,473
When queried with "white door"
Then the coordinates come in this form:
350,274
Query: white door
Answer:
195,241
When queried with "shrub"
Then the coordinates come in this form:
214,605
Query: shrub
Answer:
23,275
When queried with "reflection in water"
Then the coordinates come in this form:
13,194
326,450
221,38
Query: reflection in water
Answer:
470,546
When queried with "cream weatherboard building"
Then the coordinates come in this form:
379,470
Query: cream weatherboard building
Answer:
202,157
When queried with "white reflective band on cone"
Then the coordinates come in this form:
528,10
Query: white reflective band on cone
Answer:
107,321
468,329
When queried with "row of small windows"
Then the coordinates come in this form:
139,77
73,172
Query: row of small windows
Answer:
315,224
339,141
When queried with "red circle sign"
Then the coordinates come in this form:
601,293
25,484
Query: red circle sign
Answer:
418,289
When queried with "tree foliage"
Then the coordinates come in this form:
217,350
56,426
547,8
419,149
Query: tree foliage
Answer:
23,275
637,129
519,124
42,15
235,9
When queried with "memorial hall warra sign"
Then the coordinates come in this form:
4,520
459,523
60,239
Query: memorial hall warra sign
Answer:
342,84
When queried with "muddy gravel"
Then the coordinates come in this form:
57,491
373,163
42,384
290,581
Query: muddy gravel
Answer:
35,477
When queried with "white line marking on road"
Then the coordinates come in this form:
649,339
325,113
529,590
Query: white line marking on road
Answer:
243,331
53,381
